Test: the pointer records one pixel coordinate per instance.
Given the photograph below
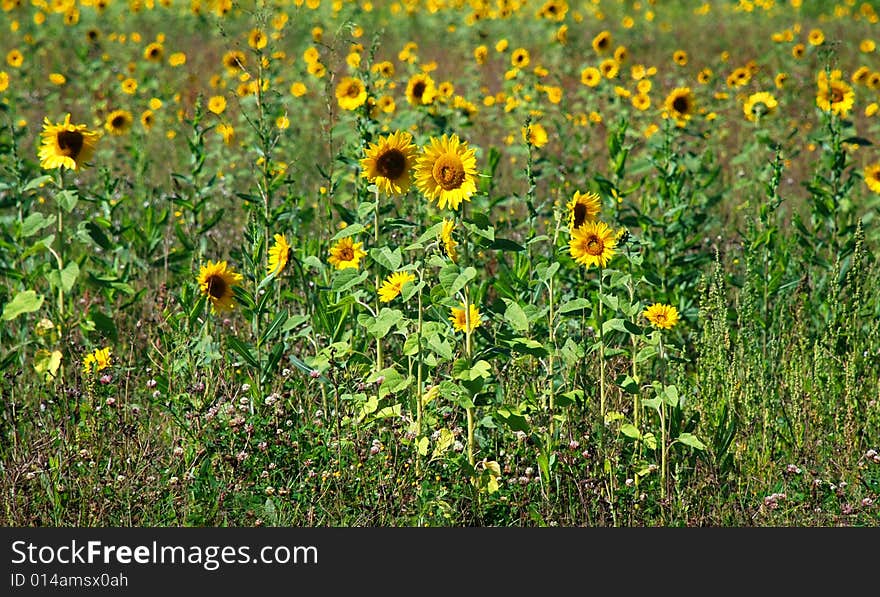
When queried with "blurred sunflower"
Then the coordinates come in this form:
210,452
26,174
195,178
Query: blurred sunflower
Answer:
147,119
216,281
66,145
465,319
14,59
449,243
759,105
420,90
217,104
129,86
57,79
591,76
641,101
388,163
680,57
96,361
602,42
583,208
119,122
680,104
481,53
346,253
297,89
535,134
872,177
816,37
279,253
393,285
609,68
4,81
154,52
446,171
520,58
593,243
661,316
234,60
739,77
351,93
257,39
834,95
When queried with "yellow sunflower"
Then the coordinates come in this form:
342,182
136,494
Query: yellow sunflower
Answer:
351,93
119,122
97,360
66,145
446,171
217,104
421,90
602,42
449,243
216,281
583,208
661,316
14,58
591,76
279,253
535,134
680,104
346,253
148,119
388,163
393,285
759,105
520,58
834,95
257,39
680,57
592,244
461,318
4,81
872,177
234,60
154,52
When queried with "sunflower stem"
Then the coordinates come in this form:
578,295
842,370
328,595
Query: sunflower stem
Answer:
378,279
601,350
467,350
419,378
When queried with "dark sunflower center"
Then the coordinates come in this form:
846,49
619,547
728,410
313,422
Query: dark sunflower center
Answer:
660,317
154,53
391,164
352,91
346,254
595,246
580,214
419,89
681,104
217,287
70,143
448,172
836,95
118,122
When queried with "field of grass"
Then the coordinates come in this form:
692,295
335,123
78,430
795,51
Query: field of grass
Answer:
439,263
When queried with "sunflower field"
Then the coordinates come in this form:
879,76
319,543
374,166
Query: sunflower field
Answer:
439,263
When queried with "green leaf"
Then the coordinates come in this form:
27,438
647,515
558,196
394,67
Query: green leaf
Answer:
516,317
97,235
672,397
67,200
645,354
529,346
69,275
575,305
25,301
348,278
379,326
452,279
47,363
243,350
444,442
273,328
36,183
34,223
349,230
504,244
514,420
387,258
629,385
422,446
691,440
630,430
103,323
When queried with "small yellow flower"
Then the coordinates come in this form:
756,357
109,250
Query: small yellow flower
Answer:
279,253
661,316
465,321
96,361
393,285
346,253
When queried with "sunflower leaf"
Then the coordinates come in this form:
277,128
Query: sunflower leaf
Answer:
349,230
34,223
387,258
35,183
243,350
348,278
25,301
67,200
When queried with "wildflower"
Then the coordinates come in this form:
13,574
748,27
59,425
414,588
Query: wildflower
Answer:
119,122
680,104
446,171
153,52
449,244
758,105
420,90
591,76
66,145
519,58
217,104
351,93
583,208
602,42
346,253
216,281
593,243
97,361
535,134
872,177
388,163
834,95
279,253
465,321
393,285
661,316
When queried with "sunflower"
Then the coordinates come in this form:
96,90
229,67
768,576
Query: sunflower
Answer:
279,253
641,101
481,53
66,145
227,132
153,52
592,243
602,42
583,208
298,89
520,58
872,177
780,79
97,360
680,104
257,39
591,76
386,104
867,46
217,104
148,119
621,54
535,134
346,253
661,316
14,58
234,60
56,79
553,10
420,90
609,68
680,57
758,105
393,286
816,37
449,243
798,50
739,77
465,321
389,162
446,171
351,93
704,76
119,122
834,95
215,282
129,86
4,81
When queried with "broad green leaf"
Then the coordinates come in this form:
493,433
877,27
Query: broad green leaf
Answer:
67,200
37,182
452,278
645,354
575,305
672,397
629,385
422,446
529,346
34,223
47,363
69,275
630,430
514,420
691,440
516,317
443,443
612,416
349,230
26,301
387,258
348,278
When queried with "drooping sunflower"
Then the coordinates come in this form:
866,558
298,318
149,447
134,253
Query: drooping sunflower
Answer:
216,281
449,244
388,163
421,90
593,243
346,253
583,208
602,42
661,316
680,104
279,253
872,177
393,285
446,171
96,361
465,320
759,105
351,93
834,94
119,122
66,145
535,134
